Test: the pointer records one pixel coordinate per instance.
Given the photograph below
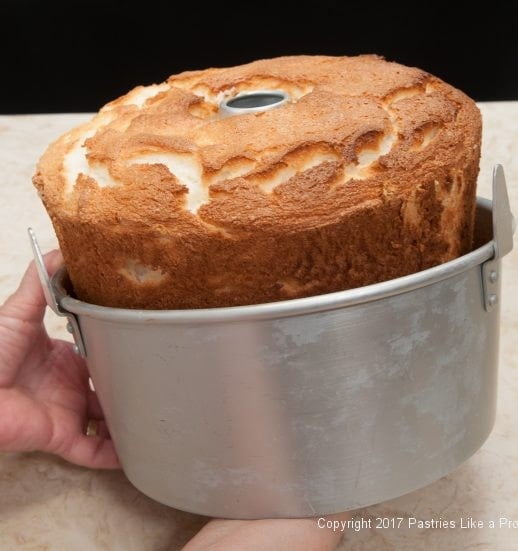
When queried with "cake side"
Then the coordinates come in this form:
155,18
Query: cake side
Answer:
368,173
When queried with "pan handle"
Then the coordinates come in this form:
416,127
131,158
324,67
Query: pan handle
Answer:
50,297
503,230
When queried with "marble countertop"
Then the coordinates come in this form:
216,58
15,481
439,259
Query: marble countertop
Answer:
46,503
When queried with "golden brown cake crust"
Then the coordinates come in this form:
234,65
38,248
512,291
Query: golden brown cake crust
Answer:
367,173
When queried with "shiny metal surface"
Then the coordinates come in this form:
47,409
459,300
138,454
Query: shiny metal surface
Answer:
52,298
303,407
503,229
252,101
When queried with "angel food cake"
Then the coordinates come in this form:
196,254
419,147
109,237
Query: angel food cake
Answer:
164,200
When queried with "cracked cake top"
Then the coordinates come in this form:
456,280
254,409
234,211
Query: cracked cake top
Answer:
165,153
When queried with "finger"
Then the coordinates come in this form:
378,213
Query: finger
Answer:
92,451
93,407
28,302
102,430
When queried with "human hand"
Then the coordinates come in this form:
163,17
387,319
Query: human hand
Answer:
298,534
45,399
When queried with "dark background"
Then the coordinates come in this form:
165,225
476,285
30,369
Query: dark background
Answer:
76,56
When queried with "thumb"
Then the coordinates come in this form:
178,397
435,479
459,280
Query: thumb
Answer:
95,452
28,302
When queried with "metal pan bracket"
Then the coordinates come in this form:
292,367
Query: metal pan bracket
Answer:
503,229
50,297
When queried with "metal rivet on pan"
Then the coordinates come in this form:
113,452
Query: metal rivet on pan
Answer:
493,276
492,299
76,349
70,329
253,102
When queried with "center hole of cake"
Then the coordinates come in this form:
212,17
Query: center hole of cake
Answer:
261,100
256,99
